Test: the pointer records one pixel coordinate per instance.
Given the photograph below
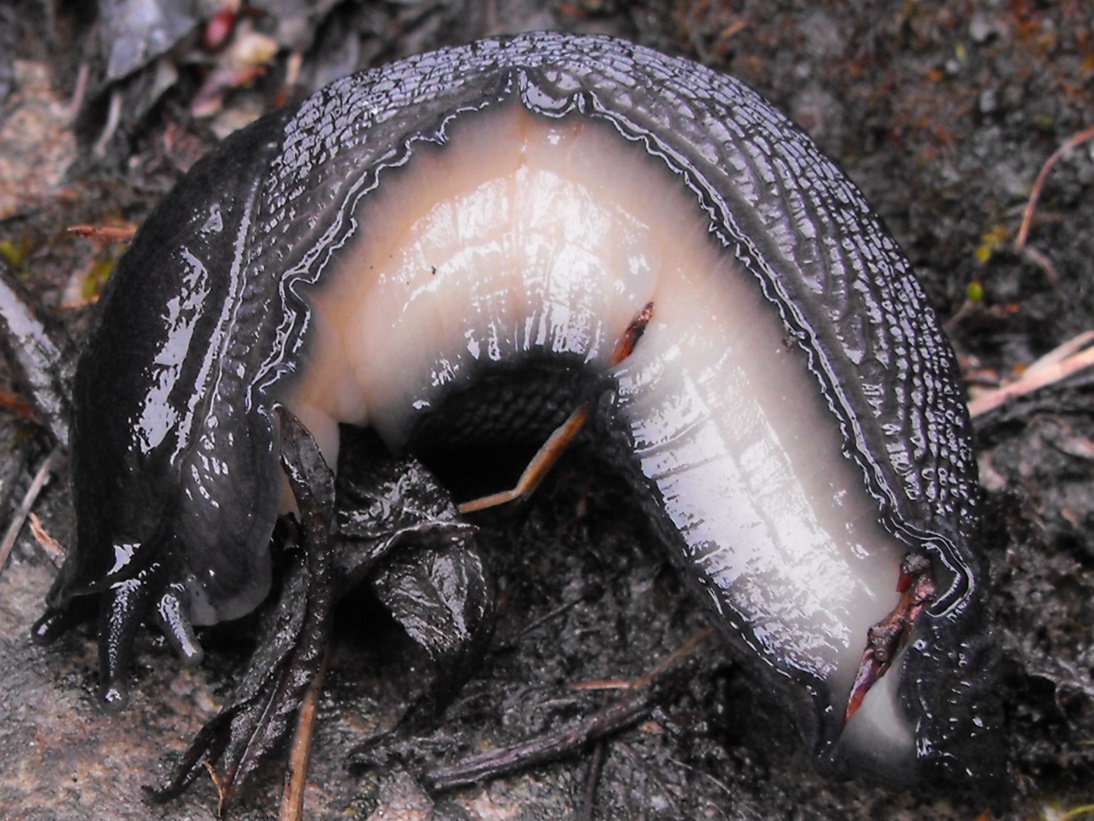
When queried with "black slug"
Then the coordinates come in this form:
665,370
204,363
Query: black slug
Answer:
449,247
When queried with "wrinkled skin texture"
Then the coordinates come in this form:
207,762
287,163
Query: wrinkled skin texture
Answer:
174,459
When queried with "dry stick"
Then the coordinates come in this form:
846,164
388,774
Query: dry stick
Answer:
600,753
305,471
77,101
1049,369
1061,353
107,233
54,550
19,517
617,716
113,117
538,468
21,459
292,800
625,712
687,649
218,784
587,811
1068,358
1029,251
1035,194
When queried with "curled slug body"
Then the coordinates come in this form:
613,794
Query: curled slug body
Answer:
450,246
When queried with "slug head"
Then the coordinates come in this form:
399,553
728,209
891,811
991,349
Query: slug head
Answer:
174,475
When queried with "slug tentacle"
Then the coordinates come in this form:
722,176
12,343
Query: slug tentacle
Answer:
121,611
448,247
173,618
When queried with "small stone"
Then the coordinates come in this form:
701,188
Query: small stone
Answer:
982,28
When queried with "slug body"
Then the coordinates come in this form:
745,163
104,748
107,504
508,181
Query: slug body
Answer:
449,247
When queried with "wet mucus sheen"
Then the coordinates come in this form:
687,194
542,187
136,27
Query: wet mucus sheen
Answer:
498,214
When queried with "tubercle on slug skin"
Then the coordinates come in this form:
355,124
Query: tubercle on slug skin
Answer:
174,468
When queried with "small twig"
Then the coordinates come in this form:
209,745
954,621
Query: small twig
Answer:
1039,259
1061,353
617,716
563,436
550,616
689,647
604,684
19,517
113,117
121,232
620,714
82,74
1035,194
77,304
20,460
587,810
292,800
1054,366
50,546
218,784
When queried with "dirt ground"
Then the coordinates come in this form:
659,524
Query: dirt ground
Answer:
944,117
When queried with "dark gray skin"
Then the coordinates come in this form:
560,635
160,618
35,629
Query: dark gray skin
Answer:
174,460
397,531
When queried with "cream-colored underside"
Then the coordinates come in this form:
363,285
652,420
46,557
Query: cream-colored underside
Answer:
528,233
